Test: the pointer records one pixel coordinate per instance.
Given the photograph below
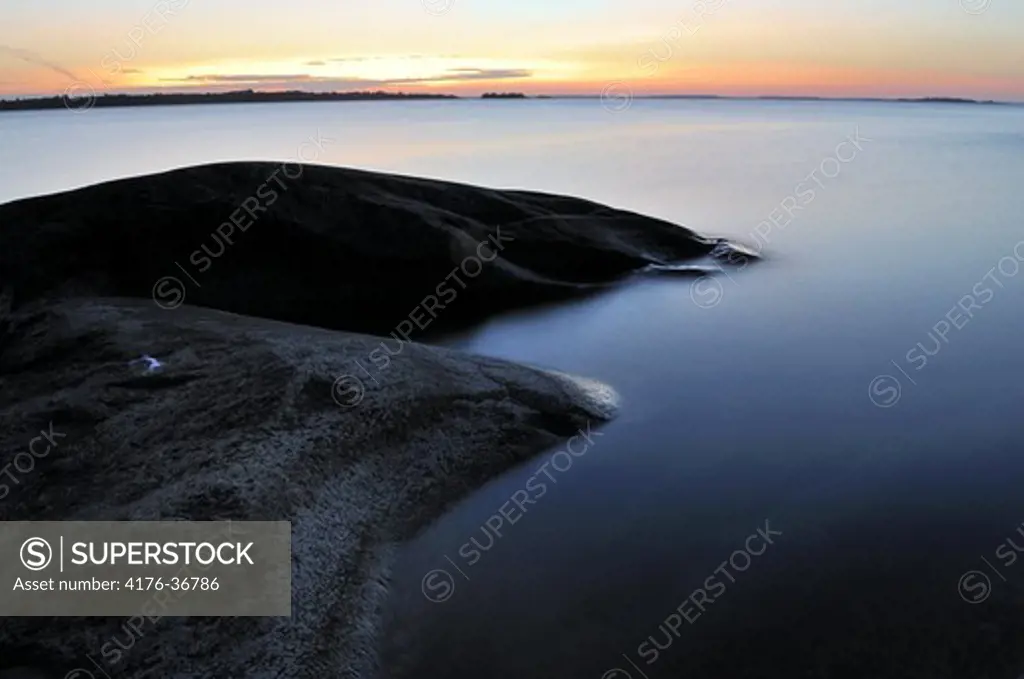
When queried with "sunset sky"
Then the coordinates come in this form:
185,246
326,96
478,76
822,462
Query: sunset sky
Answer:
968,48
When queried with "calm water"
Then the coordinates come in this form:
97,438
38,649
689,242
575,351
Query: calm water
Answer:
860,390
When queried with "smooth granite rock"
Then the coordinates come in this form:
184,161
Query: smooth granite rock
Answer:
336,248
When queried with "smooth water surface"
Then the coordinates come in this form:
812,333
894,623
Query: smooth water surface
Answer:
858,392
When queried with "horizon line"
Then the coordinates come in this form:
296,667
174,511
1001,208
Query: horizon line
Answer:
609,94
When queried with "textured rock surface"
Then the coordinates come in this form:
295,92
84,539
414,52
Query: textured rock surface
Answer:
240,422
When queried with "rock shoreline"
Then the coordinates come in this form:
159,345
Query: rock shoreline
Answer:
243,417
240,422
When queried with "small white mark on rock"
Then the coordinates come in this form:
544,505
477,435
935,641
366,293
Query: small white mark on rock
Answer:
152,364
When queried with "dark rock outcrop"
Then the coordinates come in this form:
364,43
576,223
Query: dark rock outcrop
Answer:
337,248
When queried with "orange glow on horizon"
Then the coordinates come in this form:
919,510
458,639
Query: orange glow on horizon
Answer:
459,76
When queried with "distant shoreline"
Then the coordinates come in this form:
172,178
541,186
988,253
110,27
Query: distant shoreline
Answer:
253,97
81,103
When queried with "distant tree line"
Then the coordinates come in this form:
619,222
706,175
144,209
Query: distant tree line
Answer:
503,95
239,97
